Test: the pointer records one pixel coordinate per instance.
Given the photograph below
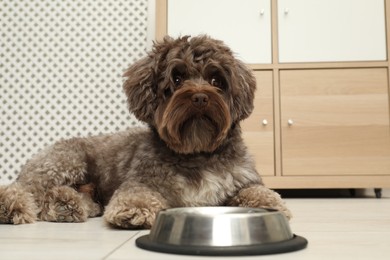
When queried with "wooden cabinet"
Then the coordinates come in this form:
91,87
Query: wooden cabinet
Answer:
321,117
331,30
243,25
335,122
259,127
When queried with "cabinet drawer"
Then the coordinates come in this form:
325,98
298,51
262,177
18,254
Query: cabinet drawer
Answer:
335,122
331,30
258,128
245,26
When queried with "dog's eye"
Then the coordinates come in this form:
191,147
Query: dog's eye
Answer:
216,82
177,80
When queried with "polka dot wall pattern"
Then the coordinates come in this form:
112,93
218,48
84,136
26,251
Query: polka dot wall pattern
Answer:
61,66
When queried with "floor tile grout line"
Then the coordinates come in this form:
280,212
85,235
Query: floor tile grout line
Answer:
116,248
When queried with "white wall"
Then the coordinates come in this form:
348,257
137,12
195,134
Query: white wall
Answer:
61,66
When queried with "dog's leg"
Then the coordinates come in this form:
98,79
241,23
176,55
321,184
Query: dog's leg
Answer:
65,204
259,196
134,207
62,164
17,206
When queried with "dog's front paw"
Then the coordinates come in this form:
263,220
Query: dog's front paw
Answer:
132,213
258,196
131,218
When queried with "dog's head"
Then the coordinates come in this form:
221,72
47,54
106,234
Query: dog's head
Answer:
192,91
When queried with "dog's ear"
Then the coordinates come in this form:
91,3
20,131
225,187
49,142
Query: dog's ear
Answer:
140,88
243,91
143,78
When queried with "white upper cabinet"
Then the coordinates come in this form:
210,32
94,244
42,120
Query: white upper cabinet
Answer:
331,30
244,25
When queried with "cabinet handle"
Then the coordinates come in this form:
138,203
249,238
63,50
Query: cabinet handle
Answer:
262,11
290,122
286,11
264,122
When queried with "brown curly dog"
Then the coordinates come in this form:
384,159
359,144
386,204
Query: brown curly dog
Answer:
192,93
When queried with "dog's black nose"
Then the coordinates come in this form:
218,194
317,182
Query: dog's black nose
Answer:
199,100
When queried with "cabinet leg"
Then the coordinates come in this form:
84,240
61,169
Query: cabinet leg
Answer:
378,193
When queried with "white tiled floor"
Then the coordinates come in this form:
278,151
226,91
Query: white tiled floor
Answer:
335,229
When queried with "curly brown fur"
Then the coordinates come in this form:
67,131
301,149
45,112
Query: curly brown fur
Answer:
16,205
65,204
192,93
259,196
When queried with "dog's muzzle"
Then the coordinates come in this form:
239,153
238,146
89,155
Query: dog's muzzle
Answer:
196,119
200,100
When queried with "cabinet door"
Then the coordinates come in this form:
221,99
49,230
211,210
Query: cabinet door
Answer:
258,128
335,122
243,25
331,30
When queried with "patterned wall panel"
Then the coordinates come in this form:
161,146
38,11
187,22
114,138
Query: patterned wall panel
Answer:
61,65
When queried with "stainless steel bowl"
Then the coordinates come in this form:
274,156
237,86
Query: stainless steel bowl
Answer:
221,231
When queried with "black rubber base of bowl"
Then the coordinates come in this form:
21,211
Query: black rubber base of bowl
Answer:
294,244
